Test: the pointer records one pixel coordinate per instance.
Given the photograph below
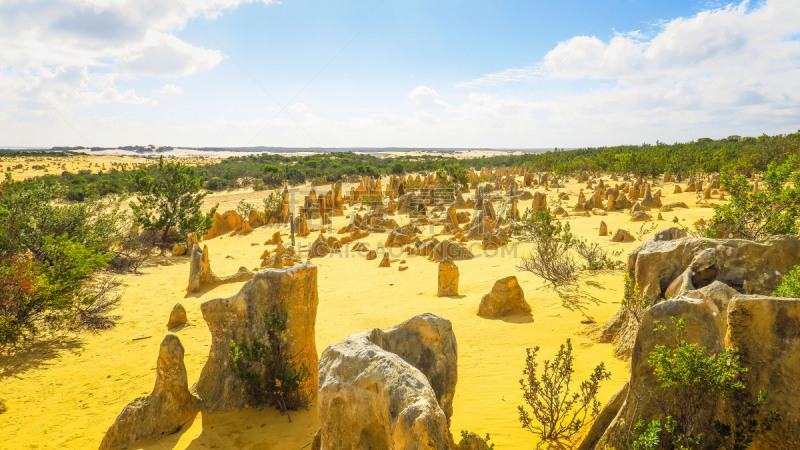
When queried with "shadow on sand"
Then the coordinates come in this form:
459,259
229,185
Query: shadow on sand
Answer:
37,354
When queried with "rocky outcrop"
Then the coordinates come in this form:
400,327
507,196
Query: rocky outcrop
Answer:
539,202
177,317
603,229
450,250
242,316
385,261
448,279
506,298
227,222
165,410
390,388
622,236
760,330
669,266
202,278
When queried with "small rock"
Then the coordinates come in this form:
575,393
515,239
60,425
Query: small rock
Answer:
177,317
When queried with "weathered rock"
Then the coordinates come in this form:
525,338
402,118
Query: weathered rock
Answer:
539,202
390,388
275,239
670,206
472,442
242,316
165,410
603,229
622,236
201,277
227,222
640,216
401,236
319,247
448,278
761,332
674,267
177,317
449,249
384,261
179,249
506,298
372,255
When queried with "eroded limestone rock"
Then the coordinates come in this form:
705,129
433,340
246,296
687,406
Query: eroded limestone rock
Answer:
389,388
242,316
165,410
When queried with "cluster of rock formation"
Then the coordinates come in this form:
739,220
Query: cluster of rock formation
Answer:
720,288
389,388
171,404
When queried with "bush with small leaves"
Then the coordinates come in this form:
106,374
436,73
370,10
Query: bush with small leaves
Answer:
790,286
272,374
170,199
552,240
557,413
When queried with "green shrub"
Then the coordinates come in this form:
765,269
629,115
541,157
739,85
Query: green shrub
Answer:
790,286
694,380
50,253
467,436
552,240
557,413
774,209
271,373
170,199
273,205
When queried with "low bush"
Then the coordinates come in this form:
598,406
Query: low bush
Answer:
272,374
552,240
556,412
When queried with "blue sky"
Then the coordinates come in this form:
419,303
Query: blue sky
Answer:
413,73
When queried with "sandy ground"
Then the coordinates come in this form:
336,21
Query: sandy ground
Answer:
25,167
67,391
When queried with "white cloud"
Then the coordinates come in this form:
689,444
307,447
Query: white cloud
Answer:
731,69
170,89
425,97
45,42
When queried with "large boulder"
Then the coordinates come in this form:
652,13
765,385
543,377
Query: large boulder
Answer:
448,279
506,298
165,410
202,278
242,316
390,388
663,267
760,330
539,202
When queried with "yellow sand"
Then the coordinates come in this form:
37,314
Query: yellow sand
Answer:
25,167
68,391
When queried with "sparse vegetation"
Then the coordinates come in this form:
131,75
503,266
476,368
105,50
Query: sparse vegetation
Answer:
790,286
695,380
773,208
50,254
552,240
273,375
169,200
556,412
633,300
273,205
596,257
